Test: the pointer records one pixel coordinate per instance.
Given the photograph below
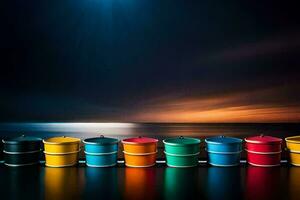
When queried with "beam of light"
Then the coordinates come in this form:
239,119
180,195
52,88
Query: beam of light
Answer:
94,128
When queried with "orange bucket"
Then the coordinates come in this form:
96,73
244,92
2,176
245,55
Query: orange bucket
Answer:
140,151
140,160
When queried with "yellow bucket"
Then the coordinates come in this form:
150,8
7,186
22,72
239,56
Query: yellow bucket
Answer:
293,143
61,160
61,151
61,144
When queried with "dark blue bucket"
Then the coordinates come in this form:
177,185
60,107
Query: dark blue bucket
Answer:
101,151
224,151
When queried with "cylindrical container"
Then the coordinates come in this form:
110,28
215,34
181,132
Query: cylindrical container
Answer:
263,151
293,147
140,151
224,151
61,151
23,150
101,151
182,151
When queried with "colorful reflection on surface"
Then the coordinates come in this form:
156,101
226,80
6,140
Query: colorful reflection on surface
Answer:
294,183
224,183
63,183
264,183
182,183
159,182
140,183
102,180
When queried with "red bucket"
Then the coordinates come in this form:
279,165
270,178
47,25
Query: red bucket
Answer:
263,151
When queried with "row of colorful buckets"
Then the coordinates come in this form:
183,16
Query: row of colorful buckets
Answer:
262,151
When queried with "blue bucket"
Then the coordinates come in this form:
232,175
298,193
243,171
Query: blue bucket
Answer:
101,160
101,151
224,151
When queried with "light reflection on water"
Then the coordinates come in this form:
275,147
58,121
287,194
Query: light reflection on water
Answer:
63,183
224,183
160,182
121,130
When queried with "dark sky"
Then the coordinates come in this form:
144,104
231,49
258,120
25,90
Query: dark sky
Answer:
154,61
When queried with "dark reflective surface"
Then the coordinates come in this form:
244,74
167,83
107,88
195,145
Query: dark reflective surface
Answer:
224,183
160,182
63,183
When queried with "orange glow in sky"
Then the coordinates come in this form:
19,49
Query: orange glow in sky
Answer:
240,107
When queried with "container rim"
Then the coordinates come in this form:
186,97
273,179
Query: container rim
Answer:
139,154
112,165
264,153
181,155
279,140
298,165
217,165
196,141
153,140
75,140
237,140
258,165
114,141
290,139
21,165
100,154
57,166
218,152
260,142
23,152
12,141
292,151
182,166
61,154
139,166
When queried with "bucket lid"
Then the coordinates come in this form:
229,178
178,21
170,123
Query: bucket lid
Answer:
60,140
262,139
223,140
101,140
22,140
139,140
181,141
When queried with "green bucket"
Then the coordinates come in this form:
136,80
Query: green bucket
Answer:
182,151
182,160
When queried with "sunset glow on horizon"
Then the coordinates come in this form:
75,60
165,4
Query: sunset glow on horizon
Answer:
243,107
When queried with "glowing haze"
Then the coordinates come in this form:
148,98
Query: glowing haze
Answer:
150,61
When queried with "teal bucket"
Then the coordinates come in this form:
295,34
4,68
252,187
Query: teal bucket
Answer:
190,160
182,151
